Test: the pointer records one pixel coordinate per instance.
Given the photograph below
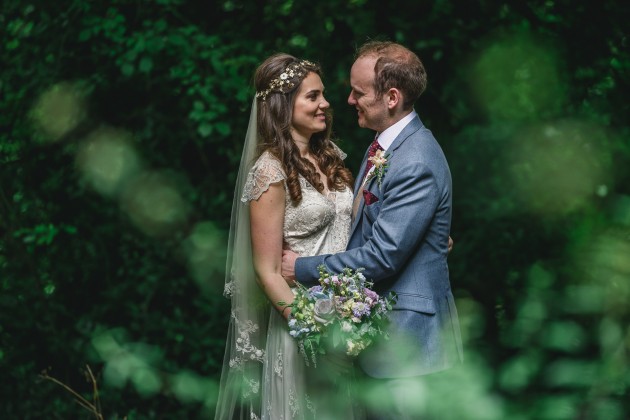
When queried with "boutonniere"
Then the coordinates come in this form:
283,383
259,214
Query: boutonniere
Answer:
380,162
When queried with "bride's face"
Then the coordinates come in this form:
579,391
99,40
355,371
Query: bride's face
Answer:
309,114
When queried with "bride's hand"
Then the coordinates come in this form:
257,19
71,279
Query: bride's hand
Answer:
288,266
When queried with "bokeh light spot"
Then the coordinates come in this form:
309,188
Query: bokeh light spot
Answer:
558,168
531,315
564,336
191,388
572,373
153,202
604,265
49,289
583,299
126,362
107,159
206,252
517,78
146,381
557,407
106,345
516,373
58,111
611,336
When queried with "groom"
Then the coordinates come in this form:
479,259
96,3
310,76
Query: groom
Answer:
400,231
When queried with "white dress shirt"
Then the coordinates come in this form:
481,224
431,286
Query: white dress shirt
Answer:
387,137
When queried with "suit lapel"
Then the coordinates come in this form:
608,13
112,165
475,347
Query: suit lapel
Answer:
366,187
357,189
358,180
413,126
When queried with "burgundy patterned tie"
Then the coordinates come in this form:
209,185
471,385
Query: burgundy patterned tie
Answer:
371,152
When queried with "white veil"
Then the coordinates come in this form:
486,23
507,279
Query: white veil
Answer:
240,387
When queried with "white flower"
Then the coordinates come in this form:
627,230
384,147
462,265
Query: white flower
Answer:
323,311
346,326
378,159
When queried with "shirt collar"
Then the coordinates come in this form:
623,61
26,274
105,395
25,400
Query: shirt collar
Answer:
387,137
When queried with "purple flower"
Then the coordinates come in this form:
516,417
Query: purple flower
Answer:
371,294
359,309
316,289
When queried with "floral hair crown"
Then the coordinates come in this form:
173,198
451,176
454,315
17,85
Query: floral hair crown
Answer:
291,76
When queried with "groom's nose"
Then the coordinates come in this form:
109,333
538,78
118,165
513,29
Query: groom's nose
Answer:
351,100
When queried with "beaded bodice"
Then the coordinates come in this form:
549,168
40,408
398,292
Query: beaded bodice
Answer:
319,224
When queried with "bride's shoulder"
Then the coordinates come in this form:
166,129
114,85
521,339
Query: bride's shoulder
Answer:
267,156
337,149
266,170
266,162
267,167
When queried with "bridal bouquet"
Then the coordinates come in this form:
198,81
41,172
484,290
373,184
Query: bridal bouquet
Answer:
342,311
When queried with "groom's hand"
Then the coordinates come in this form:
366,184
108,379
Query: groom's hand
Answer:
450,244
288,266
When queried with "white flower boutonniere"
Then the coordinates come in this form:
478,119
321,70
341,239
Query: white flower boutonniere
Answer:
380,162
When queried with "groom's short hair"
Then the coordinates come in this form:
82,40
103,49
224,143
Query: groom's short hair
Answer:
396,67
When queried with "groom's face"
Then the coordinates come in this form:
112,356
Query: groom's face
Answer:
371,110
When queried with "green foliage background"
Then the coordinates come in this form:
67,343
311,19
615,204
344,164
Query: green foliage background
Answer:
122,127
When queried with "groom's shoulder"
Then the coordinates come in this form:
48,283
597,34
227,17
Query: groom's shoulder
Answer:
422,148
421,139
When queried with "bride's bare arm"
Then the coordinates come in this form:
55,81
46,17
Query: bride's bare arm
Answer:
267,218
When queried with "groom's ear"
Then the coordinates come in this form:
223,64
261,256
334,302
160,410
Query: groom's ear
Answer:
394,98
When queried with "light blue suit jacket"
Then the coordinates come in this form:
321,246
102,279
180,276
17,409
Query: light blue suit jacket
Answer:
402,242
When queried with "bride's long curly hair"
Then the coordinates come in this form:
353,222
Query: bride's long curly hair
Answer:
275,112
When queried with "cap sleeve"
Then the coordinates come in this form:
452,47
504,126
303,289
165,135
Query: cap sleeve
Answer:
266,171
340,152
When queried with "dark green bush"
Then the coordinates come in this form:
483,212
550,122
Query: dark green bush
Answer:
122,126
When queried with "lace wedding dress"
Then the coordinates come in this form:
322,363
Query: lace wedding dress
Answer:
319,224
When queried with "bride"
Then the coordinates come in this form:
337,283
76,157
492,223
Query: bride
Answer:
292,191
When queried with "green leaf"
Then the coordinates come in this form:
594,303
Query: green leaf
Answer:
223,128
85,35
13,44
127,69
146,64
205,129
